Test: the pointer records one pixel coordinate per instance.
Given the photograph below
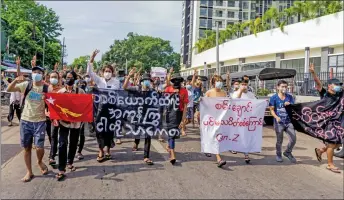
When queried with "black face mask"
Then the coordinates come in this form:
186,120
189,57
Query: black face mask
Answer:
176,84
70,81
83,87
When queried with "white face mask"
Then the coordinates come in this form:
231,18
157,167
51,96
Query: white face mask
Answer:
107,75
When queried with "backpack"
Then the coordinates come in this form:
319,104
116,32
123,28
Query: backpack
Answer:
28,89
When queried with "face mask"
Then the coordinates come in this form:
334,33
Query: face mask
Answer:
87,80
36,77
236,86
283,90
157,82
337,88
107,75
121,79
83,87
188,87
176,85
69,82
218,85
146,83
54,81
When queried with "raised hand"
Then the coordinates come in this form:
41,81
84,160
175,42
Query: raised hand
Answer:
132,71
18,61
227,73
171,70
195,72
56,66
20,78
94,54
311,68
33,61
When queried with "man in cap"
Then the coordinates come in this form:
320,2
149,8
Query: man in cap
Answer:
334,90
33,119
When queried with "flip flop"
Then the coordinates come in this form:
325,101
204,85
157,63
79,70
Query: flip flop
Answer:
221,163
118,142
173,161
72,168
247,160
45,170
317,155
135,148
207,154
52,162
60,176
334,170
100,159
108,157
25,180
148,162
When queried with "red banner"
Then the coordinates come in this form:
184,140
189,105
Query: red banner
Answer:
70,107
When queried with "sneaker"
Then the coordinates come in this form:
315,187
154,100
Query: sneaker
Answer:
290,157
279,159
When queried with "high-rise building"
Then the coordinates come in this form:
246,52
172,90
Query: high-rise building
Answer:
202,15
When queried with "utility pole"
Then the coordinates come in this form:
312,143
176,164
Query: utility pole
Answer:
217,49
126,66
63,51
43,50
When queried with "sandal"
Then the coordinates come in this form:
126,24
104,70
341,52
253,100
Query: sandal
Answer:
118,142
80,156
28,179
45,170
148,162
60,176
234,152
72,168
135,148
333,169
247,160
100,159
173,161
207,154
52,162
317,154
108,156
221,163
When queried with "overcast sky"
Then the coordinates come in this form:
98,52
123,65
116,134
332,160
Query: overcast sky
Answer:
96,24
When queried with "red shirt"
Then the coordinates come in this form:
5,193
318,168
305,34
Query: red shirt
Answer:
183,96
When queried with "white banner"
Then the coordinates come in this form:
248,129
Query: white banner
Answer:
231,124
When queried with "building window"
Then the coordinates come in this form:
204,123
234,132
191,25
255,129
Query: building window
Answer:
201,33
253,15
230,23
204,2
203,12
218,13
253,6
219,3
203,23
245,4
337,64
231,3
251,66
220,24
230,14
245,15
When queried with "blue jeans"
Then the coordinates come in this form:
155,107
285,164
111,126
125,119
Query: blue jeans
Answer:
32,132
290,131
171,143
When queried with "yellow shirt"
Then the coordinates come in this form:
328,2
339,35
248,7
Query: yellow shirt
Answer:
34,108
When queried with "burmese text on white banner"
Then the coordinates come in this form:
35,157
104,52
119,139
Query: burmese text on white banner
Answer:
231,124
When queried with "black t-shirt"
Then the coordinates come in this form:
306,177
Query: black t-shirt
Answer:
323,93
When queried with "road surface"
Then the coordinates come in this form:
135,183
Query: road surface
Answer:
195,176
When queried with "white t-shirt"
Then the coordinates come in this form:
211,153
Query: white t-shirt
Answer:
247,95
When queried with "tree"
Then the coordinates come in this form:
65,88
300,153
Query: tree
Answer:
142,51
27,23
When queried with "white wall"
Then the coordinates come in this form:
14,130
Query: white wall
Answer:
320,32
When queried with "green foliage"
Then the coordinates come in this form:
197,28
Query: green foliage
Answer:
142,51
304,10
81,62
27,23
263,92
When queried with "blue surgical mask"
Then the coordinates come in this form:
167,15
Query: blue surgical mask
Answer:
188,87
146,83
219,85
337,88
36,77
54,81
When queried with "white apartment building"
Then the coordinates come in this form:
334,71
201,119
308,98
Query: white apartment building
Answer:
323,37
202,15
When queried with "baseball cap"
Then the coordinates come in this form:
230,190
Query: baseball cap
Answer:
334,81
39,68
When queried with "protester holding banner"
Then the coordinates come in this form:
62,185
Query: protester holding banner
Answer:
244,93
216,92
282,122
69,131
53,129
176,117
105,82
33,120
332,95
146,85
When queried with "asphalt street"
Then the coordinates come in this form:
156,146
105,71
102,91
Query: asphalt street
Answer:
195,175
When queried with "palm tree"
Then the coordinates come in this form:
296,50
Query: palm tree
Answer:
297,8
333,7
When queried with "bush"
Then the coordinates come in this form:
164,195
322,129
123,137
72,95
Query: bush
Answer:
263,92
